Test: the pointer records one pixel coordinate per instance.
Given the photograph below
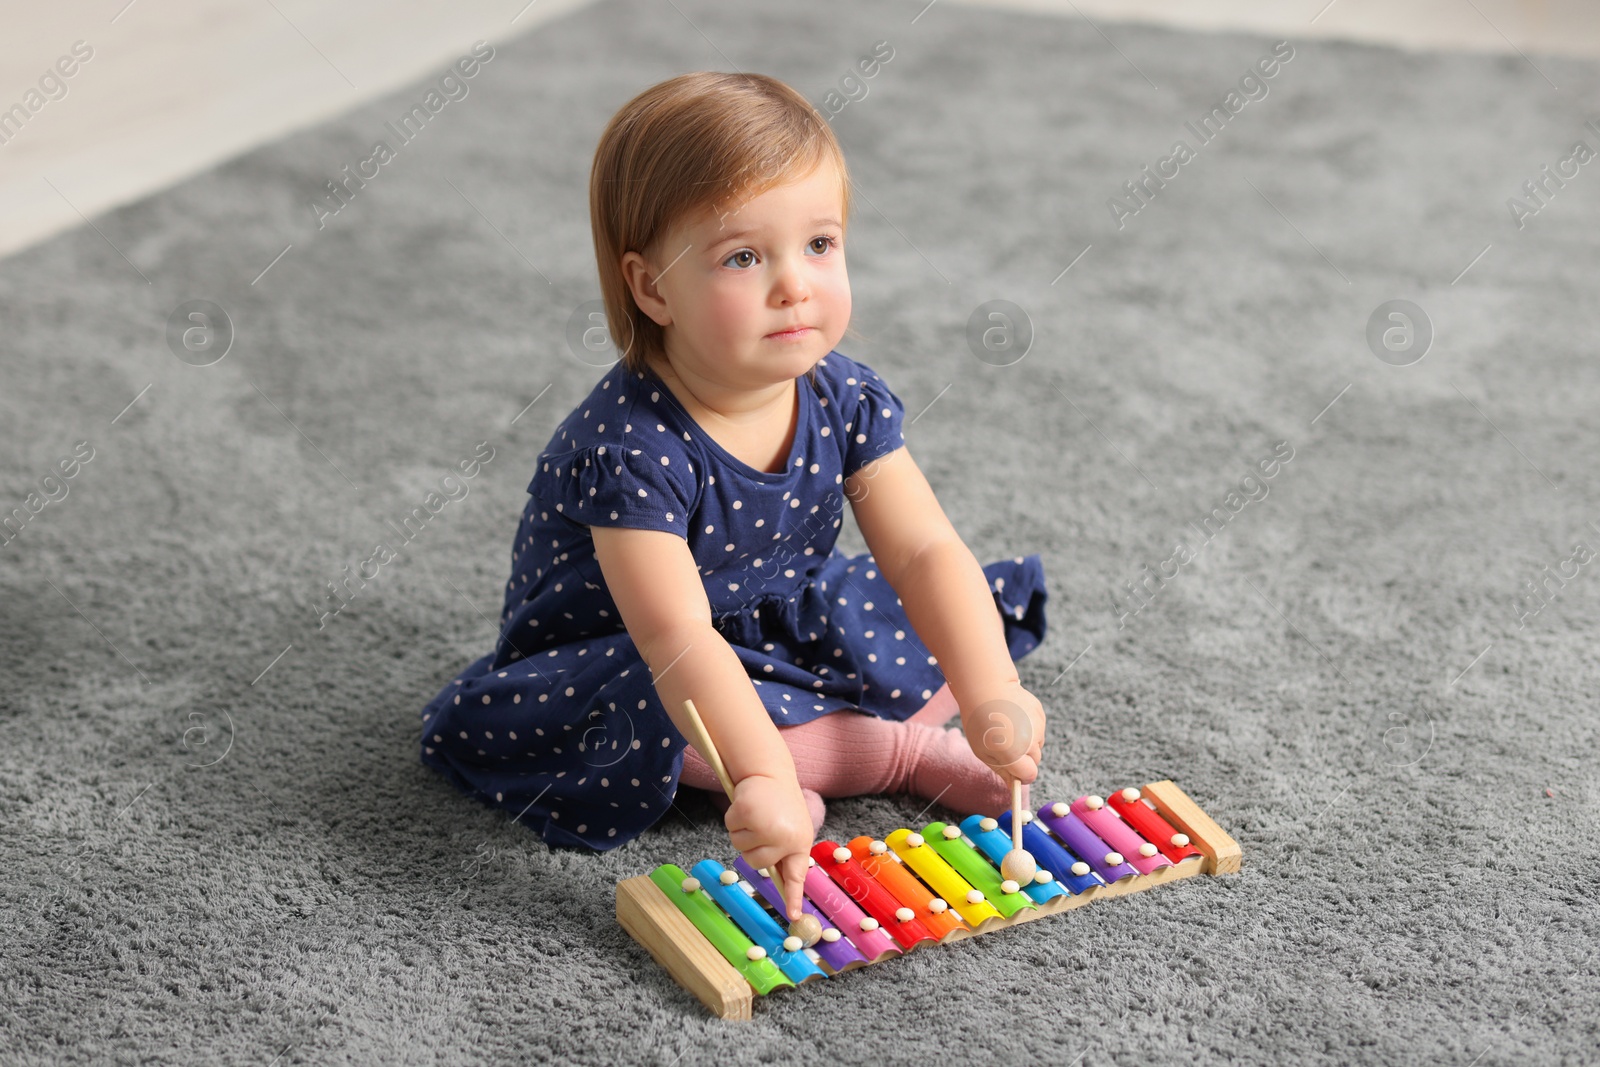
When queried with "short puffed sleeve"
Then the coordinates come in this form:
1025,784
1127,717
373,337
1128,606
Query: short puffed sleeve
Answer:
878,426
616,485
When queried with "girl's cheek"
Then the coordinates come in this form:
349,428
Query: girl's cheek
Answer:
723,297
729,291
839,289
838,274
726,310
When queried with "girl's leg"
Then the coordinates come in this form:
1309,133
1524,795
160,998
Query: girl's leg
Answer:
938,711
851,753
699,774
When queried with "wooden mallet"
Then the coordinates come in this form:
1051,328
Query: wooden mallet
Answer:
1018,865
806,929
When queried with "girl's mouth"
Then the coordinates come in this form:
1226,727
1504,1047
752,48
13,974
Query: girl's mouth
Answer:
789,335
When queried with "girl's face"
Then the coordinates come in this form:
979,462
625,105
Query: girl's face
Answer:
730,281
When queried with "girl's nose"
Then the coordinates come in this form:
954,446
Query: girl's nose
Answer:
791,284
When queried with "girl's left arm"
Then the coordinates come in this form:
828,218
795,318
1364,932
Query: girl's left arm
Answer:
950,606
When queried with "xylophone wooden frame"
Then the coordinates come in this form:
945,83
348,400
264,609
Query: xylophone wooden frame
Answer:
678,946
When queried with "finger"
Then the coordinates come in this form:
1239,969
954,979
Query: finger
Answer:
1024,769
794,873
997,761
782,876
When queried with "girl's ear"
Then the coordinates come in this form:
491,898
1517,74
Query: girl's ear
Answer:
641,280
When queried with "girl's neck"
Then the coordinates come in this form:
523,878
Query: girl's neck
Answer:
710,400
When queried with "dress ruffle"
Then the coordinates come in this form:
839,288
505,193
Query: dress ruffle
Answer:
774,616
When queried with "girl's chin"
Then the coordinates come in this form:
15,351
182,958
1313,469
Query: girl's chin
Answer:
797,363
781,361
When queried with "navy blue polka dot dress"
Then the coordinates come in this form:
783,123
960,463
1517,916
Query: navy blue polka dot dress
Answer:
561,724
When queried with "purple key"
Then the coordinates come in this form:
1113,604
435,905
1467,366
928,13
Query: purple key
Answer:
1085,842
837,954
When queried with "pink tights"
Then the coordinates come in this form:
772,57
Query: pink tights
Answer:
851,753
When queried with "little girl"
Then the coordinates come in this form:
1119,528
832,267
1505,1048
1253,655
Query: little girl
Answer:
678,542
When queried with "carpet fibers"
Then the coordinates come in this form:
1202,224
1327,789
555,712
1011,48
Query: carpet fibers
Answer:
1370,665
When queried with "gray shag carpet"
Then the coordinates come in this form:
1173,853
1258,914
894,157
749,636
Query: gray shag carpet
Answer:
220,845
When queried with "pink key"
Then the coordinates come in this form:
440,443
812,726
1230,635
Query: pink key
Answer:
1144,856
844,912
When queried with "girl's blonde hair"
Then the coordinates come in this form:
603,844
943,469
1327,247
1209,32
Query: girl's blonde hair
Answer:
682,146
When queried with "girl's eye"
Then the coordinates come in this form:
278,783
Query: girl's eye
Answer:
829,242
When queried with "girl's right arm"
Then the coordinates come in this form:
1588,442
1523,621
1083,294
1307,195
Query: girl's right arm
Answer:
656,584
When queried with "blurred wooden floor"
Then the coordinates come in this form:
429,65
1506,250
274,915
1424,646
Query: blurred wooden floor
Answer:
173,88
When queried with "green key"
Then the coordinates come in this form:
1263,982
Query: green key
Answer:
698,907
972,865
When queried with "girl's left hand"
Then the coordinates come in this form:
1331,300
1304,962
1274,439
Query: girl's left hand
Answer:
1006,731
769,823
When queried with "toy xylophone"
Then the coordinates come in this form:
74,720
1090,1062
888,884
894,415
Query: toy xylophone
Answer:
718,932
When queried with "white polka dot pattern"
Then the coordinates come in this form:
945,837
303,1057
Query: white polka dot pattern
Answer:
561,725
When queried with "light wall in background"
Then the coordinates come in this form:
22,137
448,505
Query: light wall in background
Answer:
174,87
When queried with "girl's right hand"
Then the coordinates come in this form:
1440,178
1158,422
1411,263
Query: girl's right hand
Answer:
768,822
1006,731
